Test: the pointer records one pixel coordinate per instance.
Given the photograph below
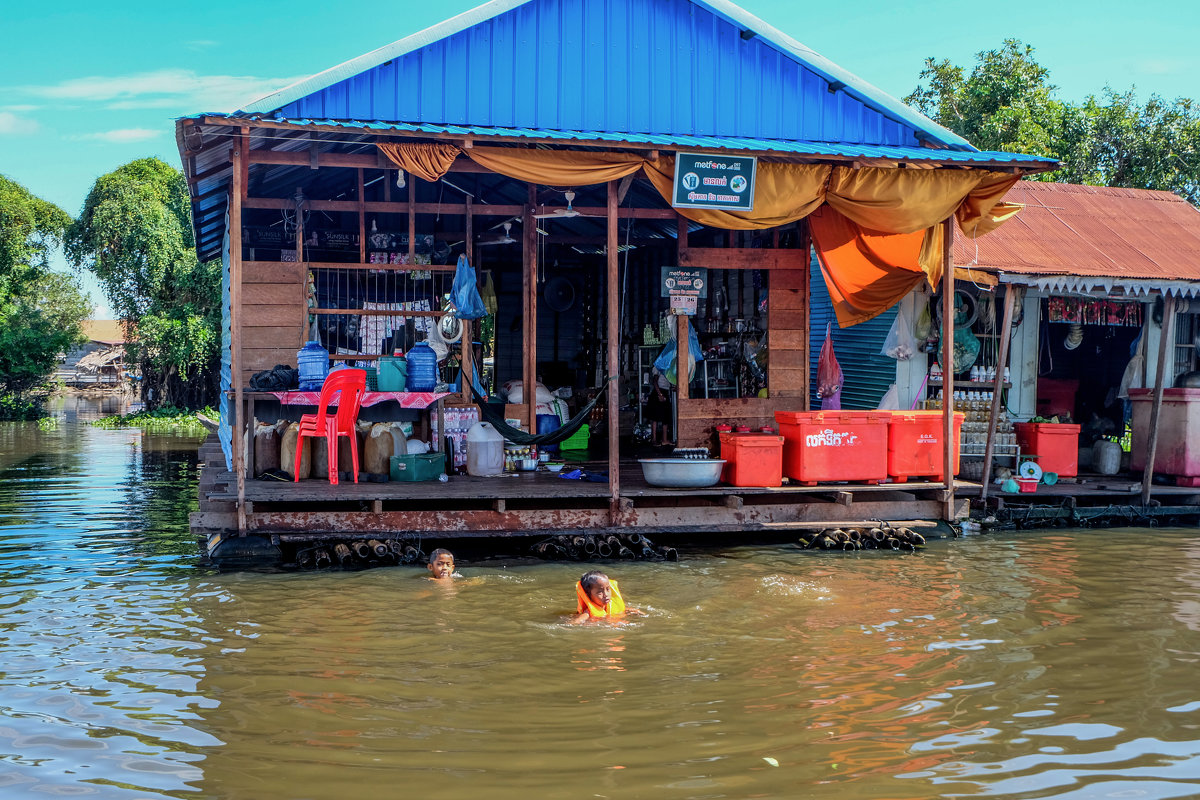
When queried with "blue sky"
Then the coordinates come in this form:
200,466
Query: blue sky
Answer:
88,86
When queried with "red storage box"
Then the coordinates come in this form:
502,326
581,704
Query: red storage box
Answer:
1056,446
834,445
915,445
752,459
1178,449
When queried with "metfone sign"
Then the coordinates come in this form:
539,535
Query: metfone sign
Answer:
708,181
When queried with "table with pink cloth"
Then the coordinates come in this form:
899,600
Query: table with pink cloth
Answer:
415,400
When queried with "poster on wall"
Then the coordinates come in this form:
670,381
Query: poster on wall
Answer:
707,181
683,287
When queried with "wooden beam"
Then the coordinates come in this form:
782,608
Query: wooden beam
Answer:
238,190
529,285
743,258
1010,299
466,352
612,298
362,219
1166,343
681,383
948,369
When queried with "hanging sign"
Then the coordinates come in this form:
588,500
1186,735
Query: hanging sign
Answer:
708,181
683,287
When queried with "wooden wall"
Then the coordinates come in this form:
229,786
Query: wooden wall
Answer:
787,344
273,314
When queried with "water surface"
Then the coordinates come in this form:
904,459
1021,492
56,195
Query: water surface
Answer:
1032,665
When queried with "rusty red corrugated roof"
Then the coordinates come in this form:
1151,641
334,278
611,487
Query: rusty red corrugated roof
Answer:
1103,231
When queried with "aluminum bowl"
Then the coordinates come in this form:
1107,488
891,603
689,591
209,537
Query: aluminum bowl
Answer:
682,473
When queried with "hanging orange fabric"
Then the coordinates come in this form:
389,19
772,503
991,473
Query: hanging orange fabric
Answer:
867,272
556,167
783,193
616,606
429,162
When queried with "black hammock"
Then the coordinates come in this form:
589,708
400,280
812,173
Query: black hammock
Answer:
518,436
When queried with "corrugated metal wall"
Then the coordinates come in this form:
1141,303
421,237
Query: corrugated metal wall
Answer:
649,66
867,373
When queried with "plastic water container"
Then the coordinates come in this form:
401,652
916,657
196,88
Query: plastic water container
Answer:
393,374
485,450
1106,457
548,423
422,368
312,361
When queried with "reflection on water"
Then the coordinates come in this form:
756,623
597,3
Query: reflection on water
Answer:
1035,665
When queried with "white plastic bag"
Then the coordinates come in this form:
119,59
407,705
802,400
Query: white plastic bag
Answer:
900,343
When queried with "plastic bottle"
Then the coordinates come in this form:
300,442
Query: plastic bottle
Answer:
312,361
422,368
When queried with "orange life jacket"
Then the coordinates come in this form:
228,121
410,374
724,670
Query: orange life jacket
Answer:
616,606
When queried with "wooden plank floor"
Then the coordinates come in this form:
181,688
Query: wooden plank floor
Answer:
523,485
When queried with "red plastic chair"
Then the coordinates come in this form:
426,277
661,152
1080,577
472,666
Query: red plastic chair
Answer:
344,387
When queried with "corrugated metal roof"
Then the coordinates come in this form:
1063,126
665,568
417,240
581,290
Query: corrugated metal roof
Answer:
674,141
1094,235
695,67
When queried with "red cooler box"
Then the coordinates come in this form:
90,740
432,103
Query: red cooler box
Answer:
834,445
752,459
1056,446
915,445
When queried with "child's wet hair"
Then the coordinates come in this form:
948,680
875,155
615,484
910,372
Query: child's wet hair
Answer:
441,551
589,579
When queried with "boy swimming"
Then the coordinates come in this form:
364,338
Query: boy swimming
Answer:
441,564
599,598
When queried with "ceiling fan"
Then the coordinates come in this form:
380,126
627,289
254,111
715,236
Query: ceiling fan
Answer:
505,239
563,213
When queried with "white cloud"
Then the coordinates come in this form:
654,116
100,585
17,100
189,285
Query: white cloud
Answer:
12,125
121,135
184,90
19,108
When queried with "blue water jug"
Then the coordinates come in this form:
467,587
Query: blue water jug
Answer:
548,423
422,368
312,361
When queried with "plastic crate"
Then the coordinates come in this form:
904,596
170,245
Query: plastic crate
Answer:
422,467
752,459
577,440
821,446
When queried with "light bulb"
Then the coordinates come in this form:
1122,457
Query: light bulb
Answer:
400,179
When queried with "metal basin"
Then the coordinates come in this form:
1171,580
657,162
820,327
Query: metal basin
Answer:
682,473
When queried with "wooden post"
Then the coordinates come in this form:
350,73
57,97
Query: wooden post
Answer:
412,222
947,368
529,373
1011,293
1166,343
240,164
613,326
466,352
362,221
681,347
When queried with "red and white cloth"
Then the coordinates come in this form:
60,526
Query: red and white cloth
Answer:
405,399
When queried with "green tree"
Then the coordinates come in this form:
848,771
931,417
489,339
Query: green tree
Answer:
1008,103
135,234
40,310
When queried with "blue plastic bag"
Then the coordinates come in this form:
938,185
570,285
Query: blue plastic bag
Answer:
464,293
665,363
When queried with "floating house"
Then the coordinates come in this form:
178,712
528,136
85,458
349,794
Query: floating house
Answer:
98,363
607,168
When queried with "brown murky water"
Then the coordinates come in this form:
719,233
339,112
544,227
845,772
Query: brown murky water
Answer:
1032,665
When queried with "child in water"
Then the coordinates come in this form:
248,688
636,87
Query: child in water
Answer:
599,598
441,564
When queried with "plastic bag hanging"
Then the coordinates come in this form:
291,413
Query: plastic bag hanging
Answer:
464,293
829,374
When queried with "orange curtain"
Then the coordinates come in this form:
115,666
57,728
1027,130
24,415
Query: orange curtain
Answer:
556,167
429,162
782,193
984,208
867,272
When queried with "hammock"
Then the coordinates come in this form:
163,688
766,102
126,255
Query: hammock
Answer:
518,436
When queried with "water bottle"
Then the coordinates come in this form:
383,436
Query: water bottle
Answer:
422,368
312,361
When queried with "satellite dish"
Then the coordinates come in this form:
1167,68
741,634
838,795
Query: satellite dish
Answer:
559,294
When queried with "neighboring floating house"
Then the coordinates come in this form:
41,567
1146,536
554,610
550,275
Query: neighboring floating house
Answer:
100,361
543,139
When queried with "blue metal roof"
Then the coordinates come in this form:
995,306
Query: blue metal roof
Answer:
681,141
674,67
